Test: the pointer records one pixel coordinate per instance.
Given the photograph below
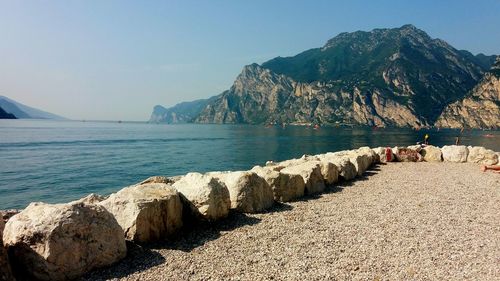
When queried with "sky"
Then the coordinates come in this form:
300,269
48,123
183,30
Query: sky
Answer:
115,60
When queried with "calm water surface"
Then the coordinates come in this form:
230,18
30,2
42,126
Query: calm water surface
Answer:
59,161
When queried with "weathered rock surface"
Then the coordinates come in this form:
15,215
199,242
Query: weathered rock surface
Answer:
310,171
329,170
455,153
408,155
479,154
432,154
159,179
286,187
5,271
62,241
384,154
360,160
207,195
90,199
368,152
146,212
249,193
347,170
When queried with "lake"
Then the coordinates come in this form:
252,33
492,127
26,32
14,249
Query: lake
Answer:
59,161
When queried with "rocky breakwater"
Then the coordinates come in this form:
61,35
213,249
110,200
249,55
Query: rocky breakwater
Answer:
64,241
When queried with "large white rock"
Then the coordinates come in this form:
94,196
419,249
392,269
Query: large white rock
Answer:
408,155
346,168
310,171
455,153
286,187
384,154
372,156
416,147
249,193
329,170
481,155
63,241
146,212
431,154
5,270
208,196
360,160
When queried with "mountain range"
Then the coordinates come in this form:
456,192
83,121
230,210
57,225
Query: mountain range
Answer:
17,110
385,77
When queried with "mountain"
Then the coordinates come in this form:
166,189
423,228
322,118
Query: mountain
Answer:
385,77
6,115
480,108
180,113
23,111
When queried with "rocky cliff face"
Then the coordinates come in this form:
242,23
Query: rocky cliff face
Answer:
480,108
386,77
261,96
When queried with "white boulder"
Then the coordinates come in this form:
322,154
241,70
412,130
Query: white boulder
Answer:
347,170
249,193
384,154
63,241
372,156
431,154
146,212
310,171
408,155
481,155
285,187
455,153
361,161
208,197
5,270
329,170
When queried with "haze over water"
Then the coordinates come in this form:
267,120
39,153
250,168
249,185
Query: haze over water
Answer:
60,161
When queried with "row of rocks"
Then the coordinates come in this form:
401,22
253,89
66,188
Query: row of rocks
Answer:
64,241
448,153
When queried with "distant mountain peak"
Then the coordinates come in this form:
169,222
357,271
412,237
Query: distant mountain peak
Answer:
377,35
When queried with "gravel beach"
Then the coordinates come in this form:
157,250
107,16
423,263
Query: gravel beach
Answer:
401,221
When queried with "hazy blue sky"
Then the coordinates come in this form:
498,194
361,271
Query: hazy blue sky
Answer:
115,60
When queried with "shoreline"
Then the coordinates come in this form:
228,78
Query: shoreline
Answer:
418,221
160,208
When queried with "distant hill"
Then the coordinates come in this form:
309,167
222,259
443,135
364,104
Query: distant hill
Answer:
6,115
183,112
22,111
